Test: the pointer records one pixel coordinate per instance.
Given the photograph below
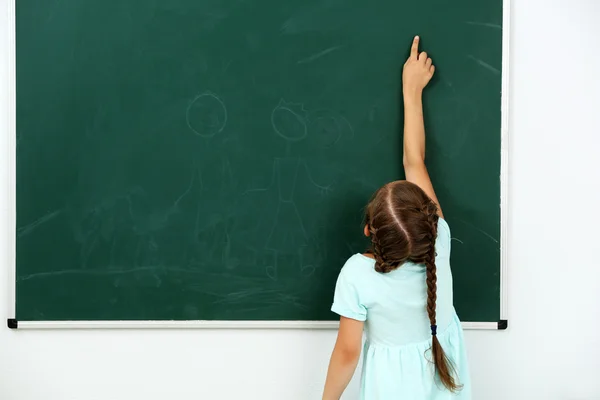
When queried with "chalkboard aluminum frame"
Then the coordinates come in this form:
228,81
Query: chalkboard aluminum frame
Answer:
11,146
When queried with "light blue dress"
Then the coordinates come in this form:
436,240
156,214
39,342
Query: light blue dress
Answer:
395,356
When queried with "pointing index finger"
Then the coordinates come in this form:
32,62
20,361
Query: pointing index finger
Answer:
414,50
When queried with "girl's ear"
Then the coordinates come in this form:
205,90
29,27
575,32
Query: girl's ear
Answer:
366,231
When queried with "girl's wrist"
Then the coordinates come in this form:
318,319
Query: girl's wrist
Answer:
412,96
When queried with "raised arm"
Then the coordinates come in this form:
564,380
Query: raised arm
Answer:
418,71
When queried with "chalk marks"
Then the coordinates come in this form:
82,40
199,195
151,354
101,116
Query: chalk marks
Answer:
158,220
88,272
292,122
319,54
323,190
206,115
271,270
27,229
299,24
484,233
372,112
228,260
277,179
289,121
484,24
286,208
458,240
484,64
307,269
328,127
153,269
286,233
175,206
225,67
322,16
242,296
126,228
266,298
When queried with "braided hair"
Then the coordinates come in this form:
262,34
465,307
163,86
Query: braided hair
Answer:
402,222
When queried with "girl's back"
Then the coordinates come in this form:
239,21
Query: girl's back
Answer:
396,359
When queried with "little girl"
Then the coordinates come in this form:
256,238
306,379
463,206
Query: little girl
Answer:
402,289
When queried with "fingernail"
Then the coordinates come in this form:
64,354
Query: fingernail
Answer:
417,37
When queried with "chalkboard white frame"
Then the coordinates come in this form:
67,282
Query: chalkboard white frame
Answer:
11,154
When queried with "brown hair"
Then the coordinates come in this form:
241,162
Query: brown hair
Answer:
402,221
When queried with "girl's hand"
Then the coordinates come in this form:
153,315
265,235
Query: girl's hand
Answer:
417,71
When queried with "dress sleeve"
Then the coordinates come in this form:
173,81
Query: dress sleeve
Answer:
443,241
346,300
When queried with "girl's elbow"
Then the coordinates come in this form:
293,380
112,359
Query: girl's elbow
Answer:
349,355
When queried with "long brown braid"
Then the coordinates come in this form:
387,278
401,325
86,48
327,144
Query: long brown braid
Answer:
402,221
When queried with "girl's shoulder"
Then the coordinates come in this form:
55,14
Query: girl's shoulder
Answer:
358,266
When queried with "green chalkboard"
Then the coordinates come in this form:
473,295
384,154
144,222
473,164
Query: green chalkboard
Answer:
210,160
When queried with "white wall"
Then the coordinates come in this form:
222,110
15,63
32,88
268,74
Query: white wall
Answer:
552,349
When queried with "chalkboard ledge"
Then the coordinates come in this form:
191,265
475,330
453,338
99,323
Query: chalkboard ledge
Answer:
14,324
